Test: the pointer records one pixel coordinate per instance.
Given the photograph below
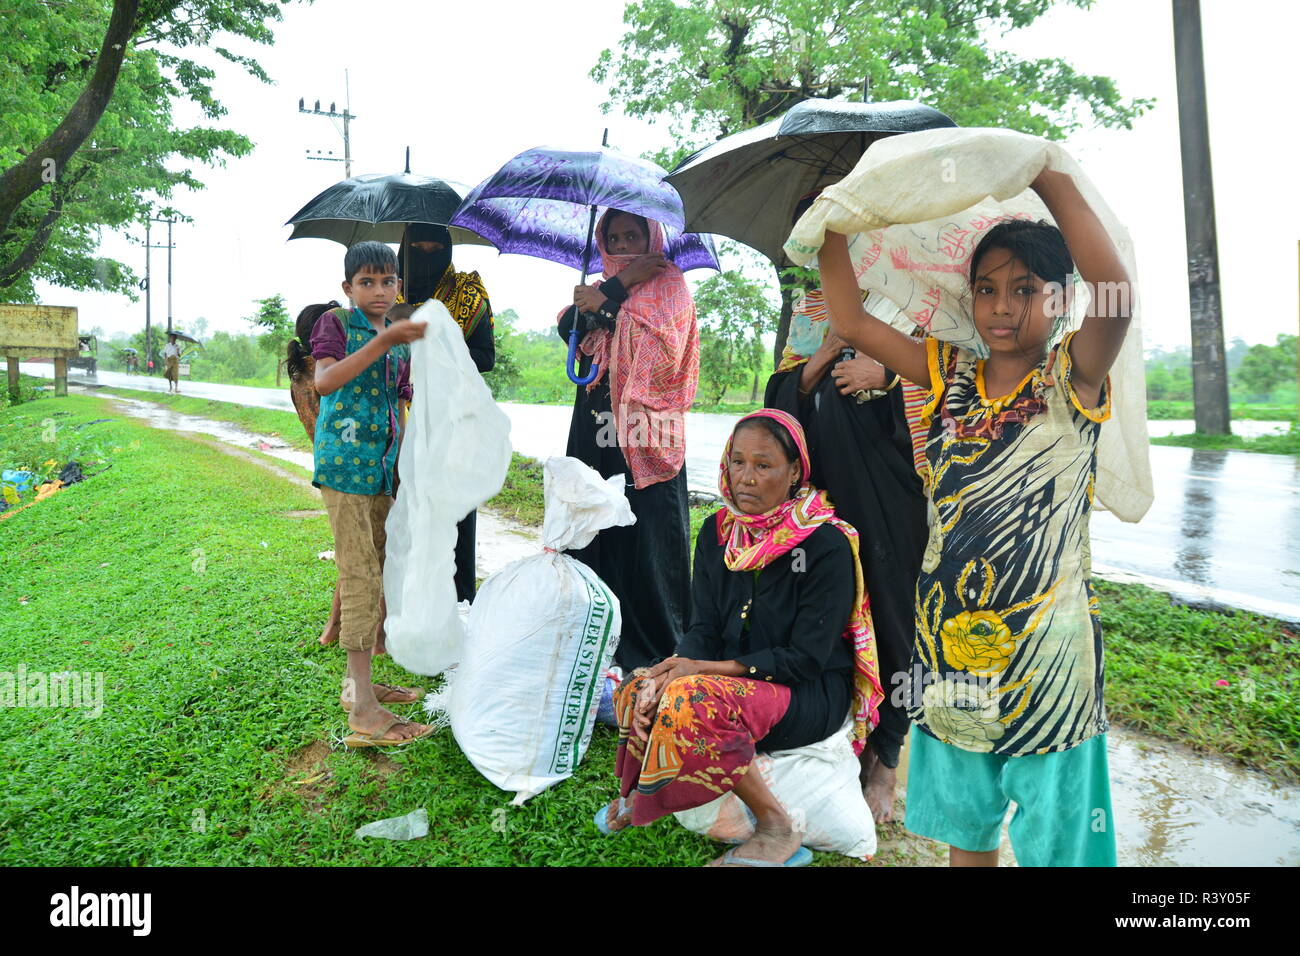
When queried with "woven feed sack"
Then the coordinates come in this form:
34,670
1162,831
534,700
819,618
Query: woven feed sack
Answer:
542,634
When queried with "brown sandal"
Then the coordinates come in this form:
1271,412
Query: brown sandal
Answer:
356,741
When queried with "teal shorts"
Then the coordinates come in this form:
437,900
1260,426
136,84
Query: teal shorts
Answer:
1063,815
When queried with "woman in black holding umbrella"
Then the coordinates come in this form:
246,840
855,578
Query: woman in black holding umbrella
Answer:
638,326
426,252
851,409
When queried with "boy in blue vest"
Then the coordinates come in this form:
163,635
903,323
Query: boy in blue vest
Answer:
362,375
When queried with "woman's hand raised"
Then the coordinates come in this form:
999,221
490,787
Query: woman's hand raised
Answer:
642,269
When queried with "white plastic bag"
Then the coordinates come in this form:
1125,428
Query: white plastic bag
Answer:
817,785
455,455
412,826
542,633
916,206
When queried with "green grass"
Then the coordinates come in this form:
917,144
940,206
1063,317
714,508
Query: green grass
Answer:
218,700
520,497
1288,443
1171,409
1163,665
30,388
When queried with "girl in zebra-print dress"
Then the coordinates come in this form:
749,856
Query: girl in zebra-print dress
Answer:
1005,683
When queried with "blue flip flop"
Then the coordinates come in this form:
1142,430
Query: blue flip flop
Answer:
801,857
602,818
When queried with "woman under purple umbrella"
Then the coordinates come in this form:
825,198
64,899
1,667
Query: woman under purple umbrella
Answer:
638,328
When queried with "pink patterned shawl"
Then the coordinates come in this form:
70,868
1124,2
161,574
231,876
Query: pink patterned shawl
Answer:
653,363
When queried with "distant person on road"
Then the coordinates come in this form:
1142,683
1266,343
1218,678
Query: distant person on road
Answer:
172,358
428,249
638,325
362,377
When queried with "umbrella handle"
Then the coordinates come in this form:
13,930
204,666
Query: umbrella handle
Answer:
569,365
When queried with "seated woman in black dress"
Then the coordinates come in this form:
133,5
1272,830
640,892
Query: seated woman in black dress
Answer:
778,654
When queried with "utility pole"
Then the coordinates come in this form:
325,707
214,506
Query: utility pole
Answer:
347,116
1209,364
148,287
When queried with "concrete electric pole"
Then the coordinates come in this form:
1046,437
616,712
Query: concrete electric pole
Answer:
347,116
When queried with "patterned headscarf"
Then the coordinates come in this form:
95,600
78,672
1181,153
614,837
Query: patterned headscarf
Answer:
753,541
652,359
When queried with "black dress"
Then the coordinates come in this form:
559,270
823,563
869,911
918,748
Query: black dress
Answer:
647,564
792,632
862,458
483,350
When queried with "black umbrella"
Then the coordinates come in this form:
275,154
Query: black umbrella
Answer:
378,208
185,338
746,185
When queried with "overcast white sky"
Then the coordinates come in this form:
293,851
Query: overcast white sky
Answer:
467,86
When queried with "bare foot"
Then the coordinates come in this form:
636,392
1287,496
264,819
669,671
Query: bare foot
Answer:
384,694
770,844
879,793
372,721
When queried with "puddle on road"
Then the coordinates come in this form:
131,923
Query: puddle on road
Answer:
161,417
1172,807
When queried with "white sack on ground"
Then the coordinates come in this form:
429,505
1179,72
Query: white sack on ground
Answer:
455,455
542,633
817,785
917,205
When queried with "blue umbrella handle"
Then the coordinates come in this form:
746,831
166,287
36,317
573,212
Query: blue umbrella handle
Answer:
571,366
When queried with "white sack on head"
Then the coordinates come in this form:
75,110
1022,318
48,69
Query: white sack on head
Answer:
542,633
915,208
455,455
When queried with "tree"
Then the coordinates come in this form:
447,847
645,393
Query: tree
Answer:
505,375
716,67
734,313
1265,367
231,358
89,139
273,317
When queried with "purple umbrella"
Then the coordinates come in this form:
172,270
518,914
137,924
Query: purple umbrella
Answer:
544,202
557,231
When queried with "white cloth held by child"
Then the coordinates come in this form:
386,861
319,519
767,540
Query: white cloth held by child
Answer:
455,455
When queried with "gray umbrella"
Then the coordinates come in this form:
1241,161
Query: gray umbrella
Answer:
746,185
